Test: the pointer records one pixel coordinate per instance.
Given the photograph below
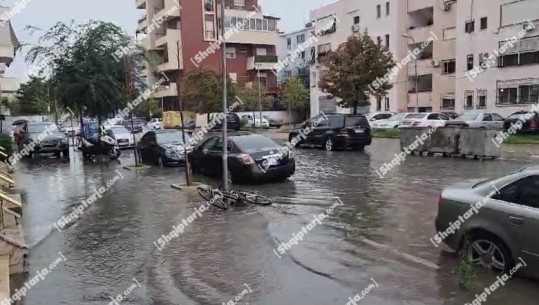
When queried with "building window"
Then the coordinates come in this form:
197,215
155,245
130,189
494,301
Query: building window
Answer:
378,103
387,41
481,98
449,66
303,55
484,23
387,8
387,103
300,38
529,94
208,5
469,62
450,33
523,52
469,26
210,30
378,11
356,19
259,24
289,43
379,40
448,103
230,52
272,25
261,51
239,3
508,96
263,79
468,99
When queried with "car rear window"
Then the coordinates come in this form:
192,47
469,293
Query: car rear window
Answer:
254,143
467,117
517,115
351,121
416,116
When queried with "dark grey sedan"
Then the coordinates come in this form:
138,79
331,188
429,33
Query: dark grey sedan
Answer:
493,222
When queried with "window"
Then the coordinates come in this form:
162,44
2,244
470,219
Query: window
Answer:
497,117
378,103
387,8
483,57
259,24
230,52
356,19
469,26
482,98
252,24
484,23
529,94
487,117
233,77
387,41
523,192
289,43
450,33
336,121
387,103
208,5
434,116
508,96
379,40
272,25
210,30
468,99
300,38
469,62
303,55
378,11
263,79
239,3
529,58
449,66
448,103
265,24
261,51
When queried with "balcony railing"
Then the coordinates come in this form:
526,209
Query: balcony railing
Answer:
262,62
266,59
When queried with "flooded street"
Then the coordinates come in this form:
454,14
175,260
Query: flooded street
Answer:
380,233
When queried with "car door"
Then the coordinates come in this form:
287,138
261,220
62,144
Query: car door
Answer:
432,120
497,121
521,219
208,157
319,130
486,121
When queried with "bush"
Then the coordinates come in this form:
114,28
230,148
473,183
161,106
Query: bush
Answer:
5,142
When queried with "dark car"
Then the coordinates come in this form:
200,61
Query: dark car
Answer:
233,122
337,131
47,138
138,125
248,156
162,147
530,126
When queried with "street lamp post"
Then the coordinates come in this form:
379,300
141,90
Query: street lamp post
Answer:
416,76
225,110
259,94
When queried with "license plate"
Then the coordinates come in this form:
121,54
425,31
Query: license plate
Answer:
272,161
359,130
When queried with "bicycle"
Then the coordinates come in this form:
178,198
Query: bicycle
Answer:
209,193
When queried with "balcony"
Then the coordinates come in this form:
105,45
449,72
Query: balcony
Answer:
7,54
421,33
166,90
169,37
172,59
425,99
423,67
143,23
9,84
255,37
421,18
262,62
415,5
168,9
141,4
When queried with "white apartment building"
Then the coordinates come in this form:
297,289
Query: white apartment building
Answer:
294,57
510,81
8,44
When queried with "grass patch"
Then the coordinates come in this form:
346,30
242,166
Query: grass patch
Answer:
393,133
522,139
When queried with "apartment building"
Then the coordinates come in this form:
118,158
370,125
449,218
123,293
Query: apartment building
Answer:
497,55
296,52
187,38
401,26
8,44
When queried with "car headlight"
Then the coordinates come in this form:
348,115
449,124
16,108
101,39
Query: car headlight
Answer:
64,140
170,152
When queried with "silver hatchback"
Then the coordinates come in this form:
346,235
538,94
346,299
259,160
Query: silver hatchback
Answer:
498,217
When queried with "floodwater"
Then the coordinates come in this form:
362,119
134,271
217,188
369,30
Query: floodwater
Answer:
379,235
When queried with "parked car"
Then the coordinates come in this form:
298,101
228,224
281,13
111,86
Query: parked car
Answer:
277,123
376,116
503,229
72,130
154,124
425,119
339,131
233,122
392,122
137,126
530,126
47,138
162,147
256,121
478,120
450,114
246,156
124,138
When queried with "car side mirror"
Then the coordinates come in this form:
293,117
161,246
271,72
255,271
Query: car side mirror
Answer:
373,119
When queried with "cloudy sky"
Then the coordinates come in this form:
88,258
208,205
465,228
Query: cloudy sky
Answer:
45,13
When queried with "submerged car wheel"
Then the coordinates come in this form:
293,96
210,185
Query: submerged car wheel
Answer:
329,145
488,251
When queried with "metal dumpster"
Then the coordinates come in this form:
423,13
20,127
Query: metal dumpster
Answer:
410,137
444,140
479,142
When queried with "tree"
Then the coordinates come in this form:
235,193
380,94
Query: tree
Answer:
294,94
201,90
353,68
252,97
32,97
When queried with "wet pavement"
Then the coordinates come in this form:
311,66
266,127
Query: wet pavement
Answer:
381,233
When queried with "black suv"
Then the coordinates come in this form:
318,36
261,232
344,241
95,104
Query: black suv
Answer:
338,131
233,122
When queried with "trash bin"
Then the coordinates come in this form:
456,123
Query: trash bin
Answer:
444,140
410,137
479,142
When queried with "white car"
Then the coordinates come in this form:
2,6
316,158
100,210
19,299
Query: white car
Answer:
123,137
249,118
479,120
425,119
376,116
392,122
155,124
71,130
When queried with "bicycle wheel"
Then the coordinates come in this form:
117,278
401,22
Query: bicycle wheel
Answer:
232,195
205,192
219,203
257,199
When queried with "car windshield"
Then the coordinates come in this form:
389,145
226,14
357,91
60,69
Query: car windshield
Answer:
119,129
467,117
417,116
516,115
36,128
252,143
356,121
170,137
398,117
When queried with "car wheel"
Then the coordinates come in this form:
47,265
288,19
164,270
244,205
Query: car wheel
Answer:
488,251
65,153
329,145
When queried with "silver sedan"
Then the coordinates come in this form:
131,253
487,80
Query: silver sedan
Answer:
493,222
487,120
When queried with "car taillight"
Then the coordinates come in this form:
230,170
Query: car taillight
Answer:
246,159
343,131
534,123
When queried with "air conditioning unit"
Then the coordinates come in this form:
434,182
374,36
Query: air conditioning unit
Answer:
355,28
447,5
435,63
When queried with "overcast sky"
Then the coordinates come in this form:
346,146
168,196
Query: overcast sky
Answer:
45,13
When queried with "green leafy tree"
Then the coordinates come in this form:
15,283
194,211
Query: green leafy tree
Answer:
294,94
354,71
253,98
32,97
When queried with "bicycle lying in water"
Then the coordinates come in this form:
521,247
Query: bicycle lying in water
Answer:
218,197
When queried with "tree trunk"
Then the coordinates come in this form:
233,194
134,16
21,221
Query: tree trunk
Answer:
289,114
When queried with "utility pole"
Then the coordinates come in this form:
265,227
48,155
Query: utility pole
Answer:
416,76
225,110
188,178
259,93
127,89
